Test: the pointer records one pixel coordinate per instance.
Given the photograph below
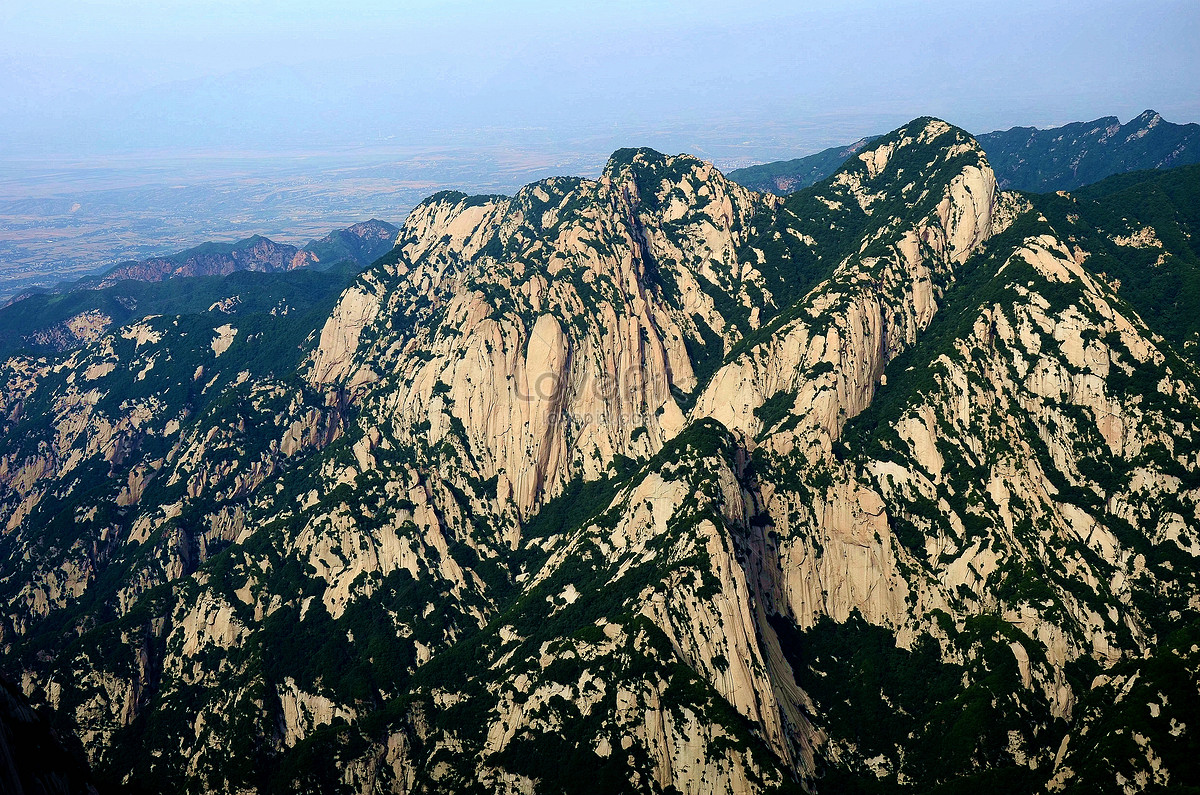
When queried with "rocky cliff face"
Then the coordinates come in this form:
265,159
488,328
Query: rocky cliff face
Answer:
645,482
549,332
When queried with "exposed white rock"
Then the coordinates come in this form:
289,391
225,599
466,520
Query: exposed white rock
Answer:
225,336
305,712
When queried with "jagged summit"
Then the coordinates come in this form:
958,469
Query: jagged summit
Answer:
628,159
908,165
637,154
644,162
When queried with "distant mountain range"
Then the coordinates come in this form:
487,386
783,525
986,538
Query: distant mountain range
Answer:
45,324
787,176
362,243
76,313
1025,158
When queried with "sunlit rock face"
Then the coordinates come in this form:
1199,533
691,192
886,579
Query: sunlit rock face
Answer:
646,483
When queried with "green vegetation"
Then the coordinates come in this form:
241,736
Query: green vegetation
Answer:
1024,158
1161,282
788,176
299,293
911,708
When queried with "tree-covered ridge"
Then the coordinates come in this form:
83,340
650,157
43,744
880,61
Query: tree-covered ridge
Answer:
787,176
1078,154
1025,158
362,244
54,323
1141,232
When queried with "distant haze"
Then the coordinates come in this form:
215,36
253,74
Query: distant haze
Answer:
734,81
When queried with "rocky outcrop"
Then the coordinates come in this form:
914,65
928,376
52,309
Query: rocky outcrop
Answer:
541,396
832,357
81,329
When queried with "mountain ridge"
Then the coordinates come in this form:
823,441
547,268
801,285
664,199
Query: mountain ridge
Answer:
1074,155
73,314
361,243
785,176
1026,158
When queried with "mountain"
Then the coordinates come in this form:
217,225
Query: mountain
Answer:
648,483
785,176
1068,157
255,253
1026,158
362,243
54,321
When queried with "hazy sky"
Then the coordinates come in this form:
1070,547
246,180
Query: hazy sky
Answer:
78,76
